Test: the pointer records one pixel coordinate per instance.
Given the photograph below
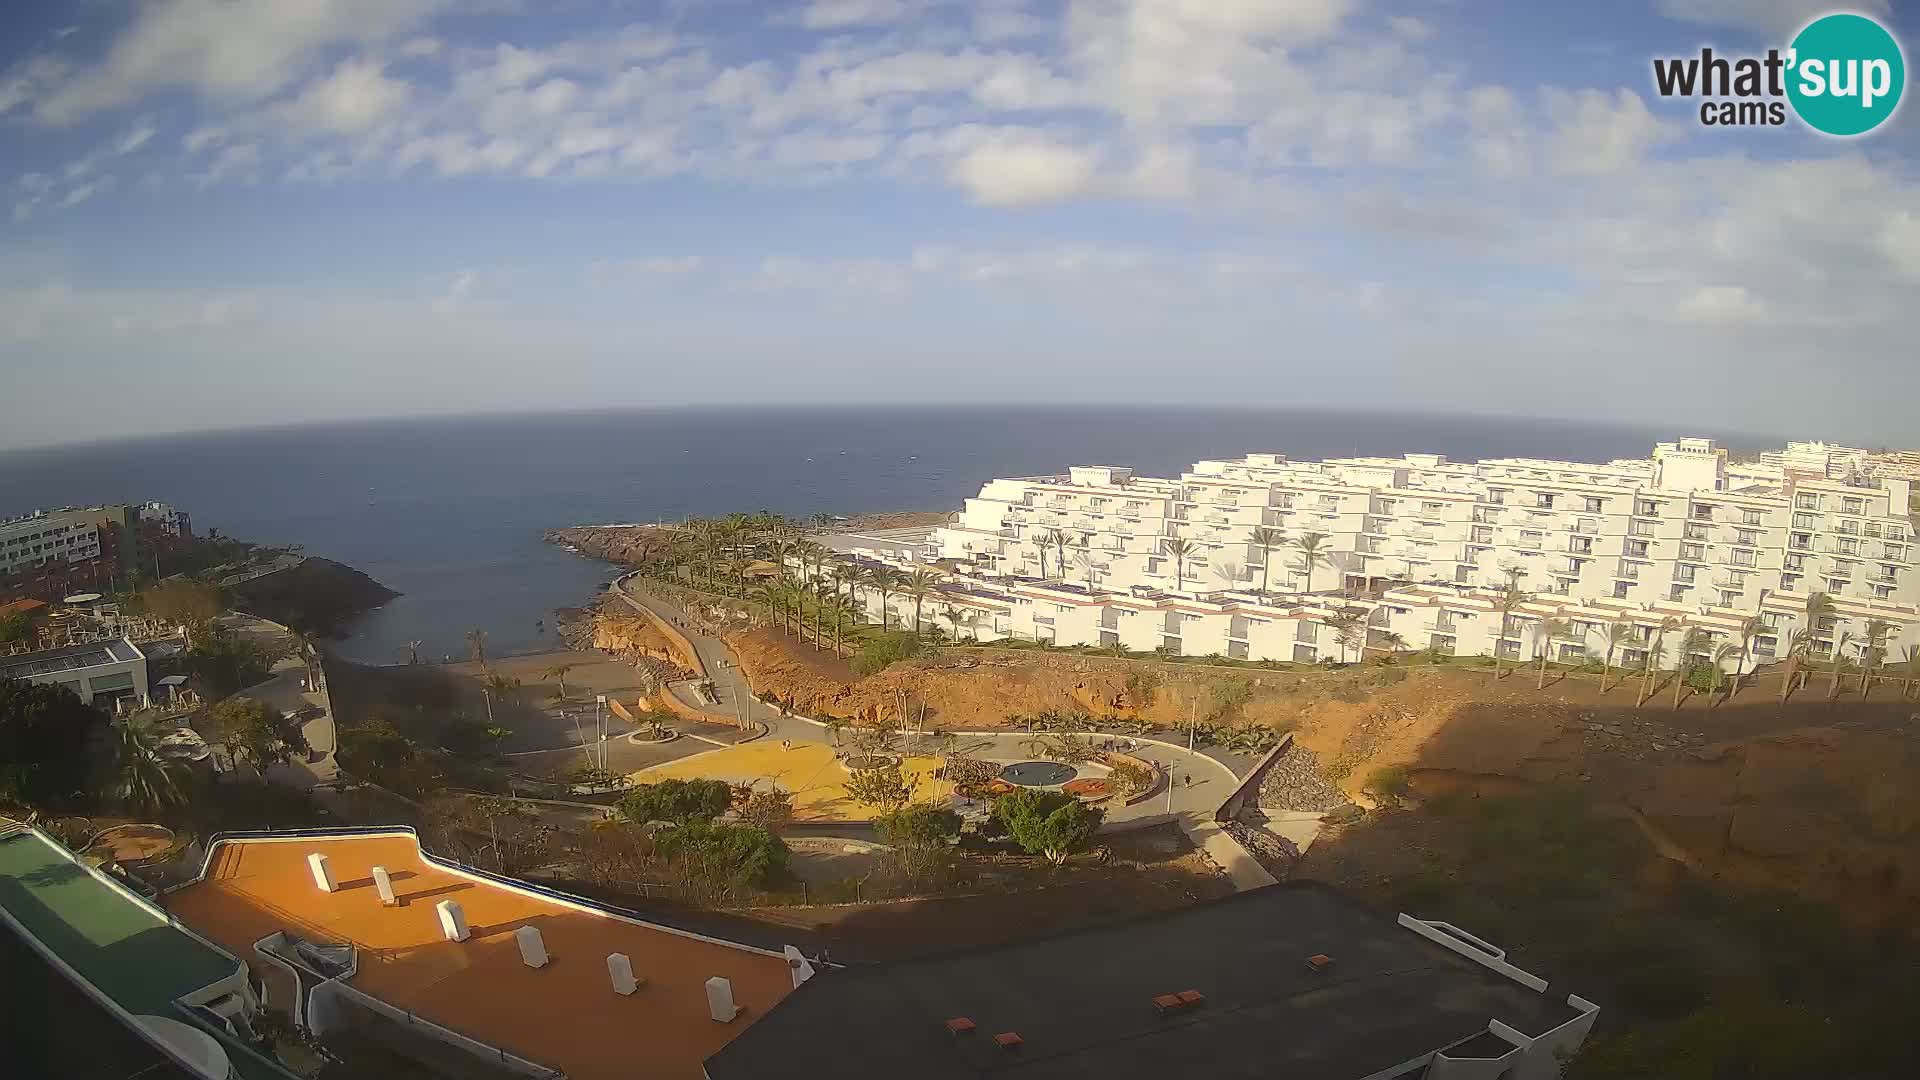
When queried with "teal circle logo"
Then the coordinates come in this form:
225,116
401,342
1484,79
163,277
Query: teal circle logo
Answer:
1845,74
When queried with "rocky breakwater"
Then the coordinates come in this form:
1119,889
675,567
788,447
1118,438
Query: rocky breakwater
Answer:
318,596
629,545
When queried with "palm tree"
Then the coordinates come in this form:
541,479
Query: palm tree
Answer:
1510,602
1544,632
1312,549
1725,652
1799,646
1349,629
1876,654
1083,557
885,581
1749,629
1913,671
1180,551
918,585
1619,633
710,533
1656,648
502,685
1058,538
841,575
142,778
1266,540
1839,658
956,616
1393,643
1691,642
477,641
558,673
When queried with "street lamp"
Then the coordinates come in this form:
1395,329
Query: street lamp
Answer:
600,718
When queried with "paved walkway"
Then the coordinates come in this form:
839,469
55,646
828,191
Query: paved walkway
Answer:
1201,779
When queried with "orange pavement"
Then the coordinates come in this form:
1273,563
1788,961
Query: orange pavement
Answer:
564,1015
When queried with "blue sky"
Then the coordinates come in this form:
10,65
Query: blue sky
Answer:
220,213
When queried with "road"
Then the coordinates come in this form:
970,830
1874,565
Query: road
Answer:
1201,780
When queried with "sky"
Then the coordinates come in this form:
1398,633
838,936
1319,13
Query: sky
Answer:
224,213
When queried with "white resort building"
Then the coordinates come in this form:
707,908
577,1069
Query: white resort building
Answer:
1422,548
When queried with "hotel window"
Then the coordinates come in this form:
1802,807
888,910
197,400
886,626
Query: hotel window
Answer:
1894,551
1807,502
1647,508
1482,534
1683,572
1789,581
1586,525
1853,506
1531,537
1750,517
1729,599
1620,589
1637,548
1888,571
1692,551
1497,496
1805,521
1747,538
1836,584
1596,505
1330,502
1800,541
1678,592
1580,544
1743,558
1696,531
1841,570
1849,546
1850,528
1640,528
1703,513
1882,592
1543,500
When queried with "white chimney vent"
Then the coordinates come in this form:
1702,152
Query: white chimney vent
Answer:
453,920
533,950
383,883
802,968
620,971
720,1000
322,871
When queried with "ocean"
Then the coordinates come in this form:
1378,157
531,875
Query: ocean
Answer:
449,511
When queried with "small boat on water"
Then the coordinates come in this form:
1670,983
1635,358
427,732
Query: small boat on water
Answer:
569,549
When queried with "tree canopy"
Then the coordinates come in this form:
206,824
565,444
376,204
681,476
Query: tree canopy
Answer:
733,852
886,787
183,601
1046,823
47,741
679,801
248,730
884,650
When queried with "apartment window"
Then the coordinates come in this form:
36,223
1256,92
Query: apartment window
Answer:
1849,546
1853,506
1850,528
1647,508
1640,528
1580,544
1683,572
1806,521
1729,599
1637,548
1888,570
1894,551
1586,525
1841,570
1497,496
1620,589
1574,565
1895,534
1882,592
1692,551
1807,502
1543,500
1743,558
1696,531
1596,505
1482,534
1789,581
1747,538
1772,620
1836,584
1678,592
1750,517
1703,513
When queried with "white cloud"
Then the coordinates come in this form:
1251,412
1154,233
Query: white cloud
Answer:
1020,168
1410,27
839,14
612,271
1598,133
455,295
351,98
1900,239
222,50
1721,305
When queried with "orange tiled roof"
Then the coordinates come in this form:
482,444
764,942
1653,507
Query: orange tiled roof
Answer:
564,1015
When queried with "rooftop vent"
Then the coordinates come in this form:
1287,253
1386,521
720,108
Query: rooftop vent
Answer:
1319,962
1009,1040
533,948
453,920
383,883
720,1003
322,872
960,1025
620,972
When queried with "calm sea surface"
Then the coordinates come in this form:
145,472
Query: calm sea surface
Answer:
450,511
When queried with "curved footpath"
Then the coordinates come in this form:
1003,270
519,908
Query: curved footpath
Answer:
1214,774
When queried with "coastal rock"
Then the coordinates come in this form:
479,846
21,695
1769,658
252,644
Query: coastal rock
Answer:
318,597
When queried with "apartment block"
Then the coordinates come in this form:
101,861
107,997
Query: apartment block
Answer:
1213,561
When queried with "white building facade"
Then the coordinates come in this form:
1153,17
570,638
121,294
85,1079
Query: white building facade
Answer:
1423,547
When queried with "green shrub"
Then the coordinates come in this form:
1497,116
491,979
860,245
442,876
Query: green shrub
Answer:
1701,679
887,649
738,853
680,801
1046,823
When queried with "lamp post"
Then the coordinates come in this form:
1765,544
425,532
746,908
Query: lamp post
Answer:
600,717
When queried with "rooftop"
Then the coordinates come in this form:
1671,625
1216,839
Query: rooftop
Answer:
67,658
1083,1002
564,1015
114,940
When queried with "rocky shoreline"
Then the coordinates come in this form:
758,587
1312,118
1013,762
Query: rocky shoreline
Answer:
318,597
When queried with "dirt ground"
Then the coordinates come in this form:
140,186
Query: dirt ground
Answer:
436,694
